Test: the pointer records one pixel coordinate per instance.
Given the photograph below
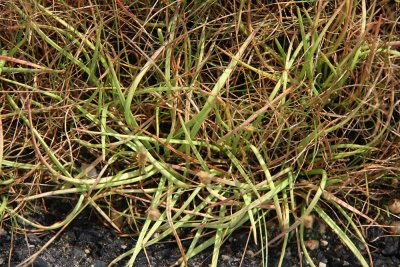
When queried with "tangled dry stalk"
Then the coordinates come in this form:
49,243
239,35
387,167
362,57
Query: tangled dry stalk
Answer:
210,115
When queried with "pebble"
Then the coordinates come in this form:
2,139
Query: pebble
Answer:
308,221
92,173
391,246
50,259
99,263
33,239
395,227
322,228
394,206
311,244
250,253
225,257
3,233
153,213
204,177
78,253
39,262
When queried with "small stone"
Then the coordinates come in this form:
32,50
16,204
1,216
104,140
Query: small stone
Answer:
39,262
117,218
87,251
204,177
50,259
249,128
361,246
391,247
153,213
311,244
141,157
394,206
33,239
90,172
3,233
99,263
225,257
250,253
156,234
395,227
308,221
322,228
78,253
324,243
322,264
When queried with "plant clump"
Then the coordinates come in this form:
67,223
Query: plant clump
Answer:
283,111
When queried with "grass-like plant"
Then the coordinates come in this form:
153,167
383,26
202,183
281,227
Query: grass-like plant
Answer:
208,115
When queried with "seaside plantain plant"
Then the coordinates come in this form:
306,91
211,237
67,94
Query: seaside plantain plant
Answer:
211,116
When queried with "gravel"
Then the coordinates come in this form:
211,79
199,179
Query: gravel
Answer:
88,243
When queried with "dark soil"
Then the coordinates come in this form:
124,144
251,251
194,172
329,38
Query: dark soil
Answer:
88,243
